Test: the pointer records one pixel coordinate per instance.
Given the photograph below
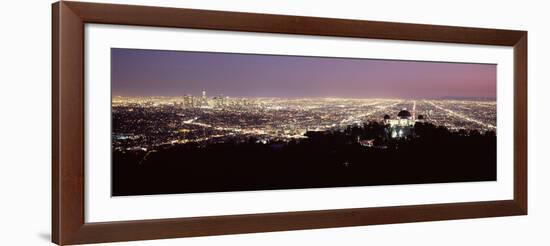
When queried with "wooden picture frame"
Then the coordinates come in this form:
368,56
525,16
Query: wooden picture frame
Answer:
68,223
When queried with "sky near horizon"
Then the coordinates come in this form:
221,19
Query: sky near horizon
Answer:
137,72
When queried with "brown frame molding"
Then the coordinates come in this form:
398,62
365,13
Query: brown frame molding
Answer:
68,224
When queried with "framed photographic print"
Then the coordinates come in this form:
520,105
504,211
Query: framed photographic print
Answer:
177,122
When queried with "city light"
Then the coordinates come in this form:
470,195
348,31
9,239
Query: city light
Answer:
145,122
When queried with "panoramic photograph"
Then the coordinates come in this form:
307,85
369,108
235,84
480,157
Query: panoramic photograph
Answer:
190,122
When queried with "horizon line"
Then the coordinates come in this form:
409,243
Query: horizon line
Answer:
317,97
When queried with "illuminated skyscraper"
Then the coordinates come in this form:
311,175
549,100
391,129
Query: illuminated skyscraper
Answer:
204,100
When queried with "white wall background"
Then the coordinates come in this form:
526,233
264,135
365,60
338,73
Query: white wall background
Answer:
25,122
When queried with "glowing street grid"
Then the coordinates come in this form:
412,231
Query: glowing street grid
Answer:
147,122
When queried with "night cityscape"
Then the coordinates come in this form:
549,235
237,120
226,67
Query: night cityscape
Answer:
142,123
235,128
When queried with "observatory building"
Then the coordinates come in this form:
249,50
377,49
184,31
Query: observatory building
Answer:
402,126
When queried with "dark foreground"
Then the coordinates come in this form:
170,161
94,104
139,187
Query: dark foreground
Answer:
324,159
